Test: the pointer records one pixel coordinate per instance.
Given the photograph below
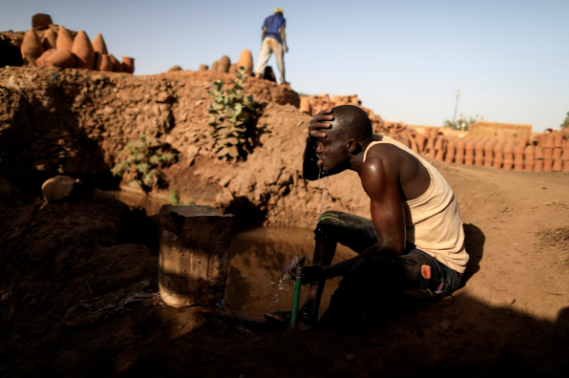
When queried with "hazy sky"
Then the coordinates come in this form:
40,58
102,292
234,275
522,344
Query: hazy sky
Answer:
405,59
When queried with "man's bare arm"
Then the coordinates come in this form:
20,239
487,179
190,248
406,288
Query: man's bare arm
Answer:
380,180
263,34
310,169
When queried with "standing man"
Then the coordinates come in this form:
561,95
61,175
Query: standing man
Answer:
274,41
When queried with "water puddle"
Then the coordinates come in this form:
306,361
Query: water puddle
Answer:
257,282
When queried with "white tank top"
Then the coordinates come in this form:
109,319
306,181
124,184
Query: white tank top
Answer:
433,219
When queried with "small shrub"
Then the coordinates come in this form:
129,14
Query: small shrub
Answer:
142,161
233,119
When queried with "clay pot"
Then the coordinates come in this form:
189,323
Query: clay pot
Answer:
420,142
565,165
233,69
128,64
538,166
83,50
41,61
498,155
529,158
214,66
518,158
547,164
32,48
565,153
479,152
547,152
548,140
538,152
414,145
430,146
451,151
459,155
246,60
305,105
489,152
49,39
117,66
557,161
440,154
224,64
105,64
508,156
203,67
469,152
62,59
41,21
558,140
99,45
64,40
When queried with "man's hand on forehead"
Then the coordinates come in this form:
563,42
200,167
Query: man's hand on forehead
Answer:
320,122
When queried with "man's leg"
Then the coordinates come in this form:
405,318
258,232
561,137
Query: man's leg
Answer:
264,57
279,54
379,280
333,226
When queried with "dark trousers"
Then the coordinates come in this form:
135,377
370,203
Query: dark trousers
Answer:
375,280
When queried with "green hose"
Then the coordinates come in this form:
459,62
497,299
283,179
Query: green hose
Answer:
296,299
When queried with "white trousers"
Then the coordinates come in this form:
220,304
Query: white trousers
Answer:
270,46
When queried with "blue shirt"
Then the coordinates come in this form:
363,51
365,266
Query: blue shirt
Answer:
273,24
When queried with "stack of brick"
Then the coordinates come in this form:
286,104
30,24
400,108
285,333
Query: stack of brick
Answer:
542,152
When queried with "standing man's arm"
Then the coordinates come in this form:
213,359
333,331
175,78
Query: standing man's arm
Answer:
264,33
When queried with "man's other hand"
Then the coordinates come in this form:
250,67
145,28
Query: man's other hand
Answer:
312,273
320,121
286,48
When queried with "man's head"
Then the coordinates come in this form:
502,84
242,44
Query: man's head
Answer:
279,11
350,128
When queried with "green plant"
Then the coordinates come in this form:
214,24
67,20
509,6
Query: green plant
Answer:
141,161
174,199
566,122
233,119
462,123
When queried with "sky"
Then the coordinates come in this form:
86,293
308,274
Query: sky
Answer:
404,59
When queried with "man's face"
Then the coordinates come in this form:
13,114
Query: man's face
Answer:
332,152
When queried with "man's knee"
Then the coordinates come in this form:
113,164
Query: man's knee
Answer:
328,227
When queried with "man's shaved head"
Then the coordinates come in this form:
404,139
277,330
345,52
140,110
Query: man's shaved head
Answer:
351,122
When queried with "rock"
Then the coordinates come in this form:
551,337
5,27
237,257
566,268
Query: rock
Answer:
41,21
57,188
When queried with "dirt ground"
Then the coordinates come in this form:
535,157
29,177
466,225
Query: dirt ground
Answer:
513,312
78,290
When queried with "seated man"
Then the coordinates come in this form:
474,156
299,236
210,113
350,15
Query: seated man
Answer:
414,242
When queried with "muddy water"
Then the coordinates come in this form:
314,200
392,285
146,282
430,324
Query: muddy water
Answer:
256,283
